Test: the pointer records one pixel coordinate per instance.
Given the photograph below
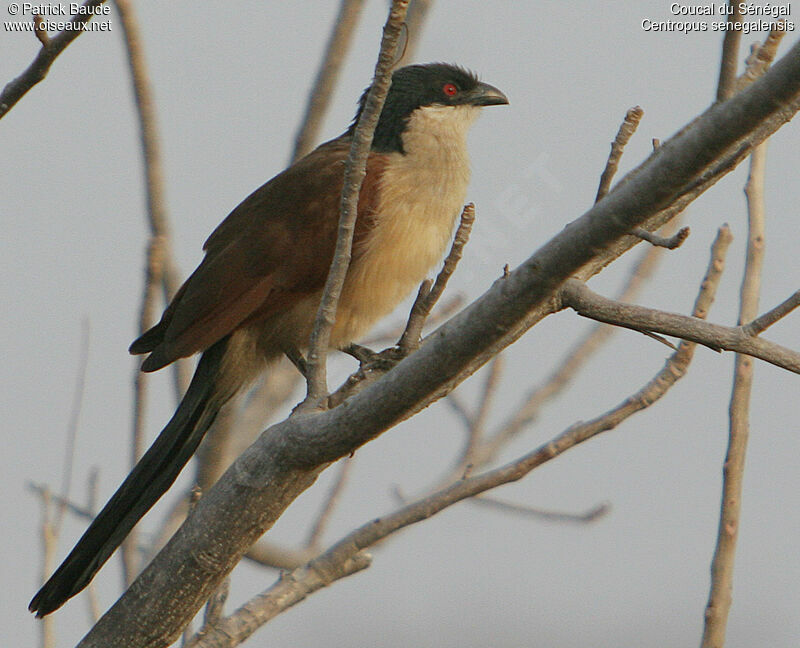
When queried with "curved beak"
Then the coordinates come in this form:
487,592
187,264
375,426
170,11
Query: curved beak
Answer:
485,95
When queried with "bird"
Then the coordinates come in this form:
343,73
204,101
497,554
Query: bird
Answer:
254,296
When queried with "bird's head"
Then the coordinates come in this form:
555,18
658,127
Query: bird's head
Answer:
447,93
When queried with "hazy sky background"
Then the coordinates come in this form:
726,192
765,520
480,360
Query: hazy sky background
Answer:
230,82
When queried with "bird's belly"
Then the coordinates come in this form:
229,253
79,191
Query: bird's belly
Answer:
399,253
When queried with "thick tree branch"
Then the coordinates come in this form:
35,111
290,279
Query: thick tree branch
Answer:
36,71
337,562
288,456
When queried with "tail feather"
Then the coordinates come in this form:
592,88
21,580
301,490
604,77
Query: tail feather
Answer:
147,482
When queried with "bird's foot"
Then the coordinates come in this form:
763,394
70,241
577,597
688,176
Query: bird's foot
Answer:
371,360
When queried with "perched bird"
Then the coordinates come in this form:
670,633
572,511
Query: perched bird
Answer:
256,292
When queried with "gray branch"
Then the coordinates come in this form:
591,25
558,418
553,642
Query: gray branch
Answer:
579,297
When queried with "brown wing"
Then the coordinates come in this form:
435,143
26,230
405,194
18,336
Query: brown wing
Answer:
273,249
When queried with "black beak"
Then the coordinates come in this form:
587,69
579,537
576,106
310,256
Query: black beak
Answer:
484,94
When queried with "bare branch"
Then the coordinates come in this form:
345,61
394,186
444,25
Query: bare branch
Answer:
580,298
315,537
670,242
269,554
49,548
766,320
477,423
40,31
720,595
16,89
442,312
410,339
626,131
592,515
761,56
355,170
159,268
72,428
415,21
43,491
335,52
726,86
162,265
215,607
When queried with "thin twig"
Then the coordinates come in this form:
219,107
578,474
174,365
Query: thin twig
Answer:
477,425
455,403
334,494
158,220
762,323
92,600
415,21
335,52
721,591
72,427
580,353
355,170
40,31
62,502
215,608
626,131
726,85
761,56
49,546
443,311
38,69
592,515
410,339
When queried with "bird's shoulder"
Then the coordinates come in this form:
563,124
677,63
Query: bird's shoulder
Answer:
301,200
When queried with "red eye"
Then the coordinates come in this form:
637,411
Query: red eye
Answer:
450,89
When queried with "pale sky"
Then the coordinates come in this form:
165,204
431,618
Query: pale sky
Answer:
230,82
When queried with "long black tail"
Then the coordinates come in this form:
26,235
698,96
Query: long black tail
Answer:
150,478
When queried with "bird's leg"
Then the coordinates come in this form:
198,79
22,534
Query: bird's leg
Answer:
298,360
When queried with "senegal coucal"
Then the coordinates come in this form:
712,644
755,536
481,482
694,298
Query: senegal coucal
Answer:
255,294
